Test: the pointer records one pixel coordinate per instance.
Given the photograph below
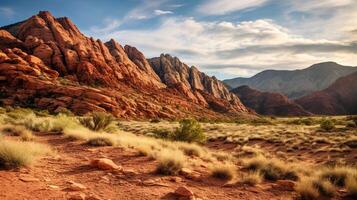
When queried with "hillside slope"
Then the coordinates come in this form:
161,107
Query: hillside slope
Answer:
295,83
267,103
338,99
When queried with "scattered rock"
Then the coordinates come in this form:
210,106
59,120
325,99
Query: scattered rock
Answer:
175,179
154,182
28,178
130,172
53,187
77,196
183,191
189,174
76,186
105,164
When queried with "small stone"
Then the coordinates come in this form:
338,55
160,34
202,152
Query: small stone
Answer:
76,187
105,164
53,186
185,172
93,197
130,172
28,178
77,196
183,191
175,179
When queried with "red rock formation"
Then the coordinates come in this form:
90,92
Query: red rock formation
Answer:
48,63
194,84
338,99
267,103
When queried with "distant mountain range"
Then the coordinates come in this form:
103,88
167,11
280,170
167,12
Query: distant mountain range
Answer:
269,103
295,83
340,98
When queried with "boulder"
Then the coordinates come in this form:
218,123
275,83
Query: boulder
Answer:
105,164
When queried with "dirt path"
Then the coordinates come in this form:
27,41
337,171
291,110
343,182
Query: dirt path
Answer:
71,163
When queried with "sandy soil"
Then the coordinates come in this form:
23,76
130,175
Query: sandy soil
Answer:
72,163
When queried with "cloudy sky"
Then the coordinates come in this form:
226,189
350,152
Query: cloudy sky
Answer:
225,38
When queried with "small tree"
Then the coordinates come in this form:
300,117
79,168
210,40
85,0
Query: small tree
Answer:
189,131
327,125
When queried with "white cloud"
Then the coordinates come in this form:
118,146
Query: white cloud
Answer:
6,11
221,7
162,12
308,5
237,49
145,9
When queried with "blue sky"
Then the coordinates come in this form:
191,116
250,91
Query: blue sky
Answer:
224,38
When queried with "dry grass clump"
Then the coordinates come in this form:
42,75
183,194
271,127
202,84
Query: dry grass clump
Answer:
78,133
191,149
14,154
21,131
306,190
223,171
170,162
101,141
97,121
272,169
338,175
251,178
351,186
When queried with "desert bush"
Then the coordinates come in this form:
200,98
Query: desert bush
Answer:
353,118
101,141
251,178
261,121
189,131
306,189
338,175
223,171
191,149
271,169
327,125
351,124
97,121
303,121
162,133
170,162
21,131
15,154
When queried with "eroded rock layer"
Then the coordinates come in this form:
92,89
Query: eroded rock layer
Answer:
47,63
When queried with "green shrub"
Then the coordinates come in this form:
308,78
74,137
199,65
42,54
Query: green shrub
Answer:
303,121
327,125
189,131
97,121
162,133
